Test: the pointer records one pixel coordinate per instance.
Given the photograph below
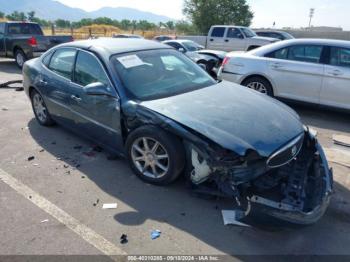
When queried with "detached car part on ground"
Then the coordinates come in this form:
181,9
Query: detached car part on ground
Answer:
154,105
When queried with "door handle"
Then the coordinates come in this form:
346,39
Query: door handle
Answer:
276,65
76,98
336,72
226,40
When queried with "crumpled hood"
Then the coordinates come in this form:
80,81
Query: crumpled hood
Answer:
233,116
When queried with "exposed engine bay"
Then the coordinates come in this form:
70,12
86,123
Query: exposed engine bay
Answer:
297,190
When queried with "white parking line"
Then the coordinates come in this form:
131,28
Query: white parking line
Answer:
83,231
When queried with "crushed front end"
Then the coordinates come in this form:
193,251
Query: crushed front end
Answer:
294,184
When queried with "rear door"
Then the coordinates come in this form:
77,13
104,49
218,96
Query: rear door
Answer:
234,40
55,80
96,116
297,72
216,38
336,85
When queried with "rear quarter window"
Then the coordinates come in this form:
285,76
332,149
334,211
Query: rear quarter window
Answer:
62,62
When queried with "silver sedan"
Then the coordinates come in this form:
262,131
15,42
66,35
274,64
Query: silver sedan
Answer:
308,70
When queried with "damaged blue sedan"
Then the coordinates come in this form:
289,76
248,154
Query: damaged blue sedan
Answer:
168,117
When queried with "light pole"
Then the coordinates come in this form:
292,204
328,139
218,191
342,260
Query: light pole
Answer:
311,15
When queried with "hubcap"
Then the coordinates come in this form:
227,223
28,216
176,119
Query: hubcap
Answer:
150,157
258,86
20,59
39,107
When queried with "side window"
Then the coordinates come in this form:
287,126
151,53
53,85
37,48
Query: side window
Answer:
62,62
175,45
2,28
234,33
46,59
340,57
305,53
218,32
279,54
88,70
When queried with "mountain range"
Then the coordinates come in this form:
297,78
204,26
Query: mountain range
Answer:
52,10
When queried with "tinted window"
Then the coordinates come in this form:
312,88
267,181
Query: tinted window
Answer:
161,73
234,33
340,57
175,45
62,62
218,32
305,53
279,54
88,70
2,28
24,29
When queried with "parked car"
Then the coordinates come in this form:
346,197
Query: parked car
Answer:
161,38
274,34
306,70
232,38
149,102
209,59
127,36
23,41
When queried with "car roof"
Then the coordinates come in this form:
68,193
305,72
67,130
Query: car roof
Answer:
177,41
275,46
111,46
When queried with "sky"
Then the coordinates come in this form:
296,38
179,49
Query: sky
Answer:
286,13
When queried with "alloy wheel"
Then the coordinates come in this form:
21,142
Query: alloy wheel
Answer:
39,107
258,86
150,157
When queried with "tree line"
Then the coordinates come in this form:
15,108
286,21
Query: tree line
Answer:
202,14
125,24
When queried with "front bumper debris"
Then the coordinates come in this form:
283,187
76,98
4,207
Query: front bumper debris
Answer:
298,192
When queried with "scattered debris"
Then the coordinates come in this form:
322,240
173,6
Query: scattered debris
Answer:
31,158
124,239
155,234
4,108
97,149
35,164
19,89
230,217
68,172
42,150
341,140
65,166
8,83
110,206
338,156
97,201
59,191
44,221
83,177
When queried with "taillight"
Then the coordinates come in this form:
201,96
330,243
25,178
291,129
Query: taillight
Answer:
32,41
226,60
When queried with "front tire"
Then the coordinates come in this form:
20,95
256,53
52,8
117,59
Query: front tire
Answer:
40,110
20,58
154,155
259,84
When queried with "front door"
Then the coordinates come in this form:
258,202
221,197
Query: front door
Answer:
96,116
234,40
336,85
297,72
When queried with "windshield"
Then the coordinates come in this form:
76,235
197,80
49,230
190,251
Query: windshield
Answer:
247,32
192,46
155,74
24,29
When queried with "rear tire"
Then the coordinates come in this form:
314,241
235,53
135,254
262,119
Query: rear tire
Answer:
40,110
259,84
20,58
155,156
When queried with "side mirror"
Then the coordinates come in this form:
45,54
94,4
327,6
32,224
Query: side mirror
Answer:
240,36
182,50
98,89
